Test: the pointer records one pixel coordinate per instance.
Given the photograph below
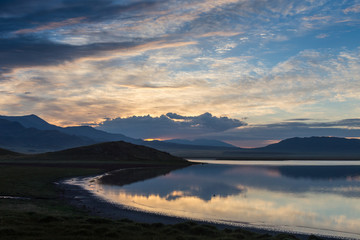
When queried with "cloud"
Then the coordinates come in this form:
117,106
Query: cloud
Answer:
149,78
352,9
220,34
347,123
298,119
124,58
29,52
322,35
94,10
20,8
32,52
234,131
169,125
177,116
225,47
50,26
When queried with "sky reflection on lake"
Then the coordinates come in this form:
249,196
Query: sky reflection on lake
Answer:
316,199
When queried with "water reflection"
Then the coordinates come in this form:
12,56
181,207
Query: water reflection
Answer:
321,199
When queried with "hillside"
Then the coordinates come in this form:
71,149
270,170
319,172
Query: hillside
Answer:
315,145
113,151
24,127
16,137
33,121
96,135
321,148
4,152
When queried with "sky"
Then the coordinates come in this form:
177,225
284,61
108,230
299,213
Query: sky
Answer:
266,66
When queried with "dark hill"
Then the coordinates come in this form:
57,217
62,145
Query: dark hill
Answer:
315,145
4,152
114,151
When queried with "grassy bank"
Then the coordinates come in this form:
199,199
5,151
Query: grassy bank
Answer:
44,214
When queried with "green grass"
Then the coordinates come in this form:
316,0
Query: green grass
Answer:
46,216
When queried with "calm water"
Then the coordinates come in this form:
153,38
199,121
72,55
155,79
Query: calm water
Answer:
310,197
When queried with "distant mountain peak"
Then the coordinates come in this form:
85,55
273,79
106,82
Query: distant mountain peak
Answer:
31,121
31,115
32,133
22,116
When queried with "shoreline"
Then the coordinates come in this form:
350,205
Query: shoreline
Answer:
81,198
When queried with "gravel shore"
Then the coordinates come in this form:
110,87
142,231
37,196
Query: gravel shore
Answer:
88,201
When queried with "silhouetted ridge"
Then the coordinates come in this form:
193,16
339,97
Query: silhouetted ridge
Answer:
7,152
31,121
15,135
97,135
116,151
30,133
316,145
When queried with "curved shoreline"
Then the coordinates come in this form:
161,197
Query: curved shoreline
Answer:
82,198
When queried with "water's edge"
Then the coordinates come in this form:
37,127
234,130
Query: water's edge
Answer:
77,191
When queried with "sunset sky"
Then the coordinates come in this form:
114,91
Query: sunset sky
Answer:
263,63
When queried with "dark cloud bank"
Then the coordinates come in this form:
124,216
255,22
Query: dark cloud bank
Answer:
19,48
170,125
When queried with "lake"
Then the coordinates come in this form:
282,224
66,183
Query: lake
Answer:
317,197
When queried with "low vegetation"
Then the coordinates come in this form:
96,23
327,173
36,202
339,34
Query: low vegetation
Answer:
31,225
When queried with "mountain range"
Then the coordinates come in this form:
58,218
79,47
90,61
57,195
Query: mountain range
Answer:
31,134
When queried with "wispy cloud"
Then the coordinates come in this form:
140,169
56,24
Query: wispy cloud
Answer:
220,34
233,85
51,25
353,9
264,59
322,35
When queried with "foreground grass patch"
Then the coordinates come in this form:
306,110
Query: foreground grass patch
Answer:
32,225
36,182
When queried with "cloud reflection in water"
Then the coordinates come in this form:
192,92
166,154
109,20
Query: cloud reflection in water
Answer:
290,198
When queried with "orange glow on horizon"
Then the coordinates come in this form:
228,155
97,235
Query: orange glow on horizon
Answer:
154,139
